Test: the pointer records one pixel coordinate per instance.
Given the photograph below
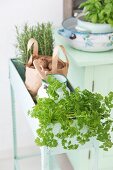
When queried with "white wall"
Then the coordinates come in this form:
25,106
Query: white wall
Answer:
17,12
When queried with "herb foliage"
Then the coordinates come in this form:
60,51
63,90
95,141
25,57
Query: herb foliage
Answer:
98,11
41,32
74,118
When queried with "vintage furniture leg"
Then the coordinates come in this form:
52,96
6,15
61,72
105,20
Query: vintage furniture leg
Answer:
45,158
15,153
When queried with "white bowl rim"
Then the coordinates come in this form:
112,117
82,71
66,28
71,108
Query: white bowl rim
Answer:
91,23
79,32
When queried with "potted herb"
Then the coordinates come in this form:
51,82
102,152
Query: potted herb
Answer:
35,46
41,32
74,118
98,16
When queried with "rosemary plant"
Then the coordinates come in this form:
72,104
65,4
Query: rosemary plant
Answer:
41,32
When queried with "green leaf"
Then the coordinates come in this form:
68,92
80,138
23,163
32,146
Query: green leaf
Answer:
94,18
110,21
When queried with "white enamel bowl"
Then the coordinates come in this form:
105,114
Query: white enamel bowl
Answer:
88,41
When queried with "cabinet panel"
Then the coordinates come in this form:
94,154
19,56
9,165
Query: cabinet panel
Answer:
103,77
89,78
97,79
81,77
103,83
76,75
79,159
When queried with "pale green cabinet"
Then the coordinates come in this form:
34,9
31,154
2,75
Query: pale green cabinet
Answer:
93,71
103,77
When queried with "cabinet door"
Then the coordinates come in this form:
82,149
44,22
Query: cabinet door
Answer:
103,83
103,79
82,159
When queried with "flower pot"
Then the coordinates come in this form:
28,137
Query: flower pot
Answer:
94,27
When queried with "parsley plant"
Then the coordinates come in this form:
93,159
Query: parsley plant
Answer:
74,118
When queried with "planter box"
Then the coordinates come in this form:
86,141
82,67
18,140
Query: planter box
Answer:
21,95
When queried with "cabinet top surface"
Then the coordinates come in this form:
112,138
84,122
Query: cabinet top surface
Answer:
82,58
